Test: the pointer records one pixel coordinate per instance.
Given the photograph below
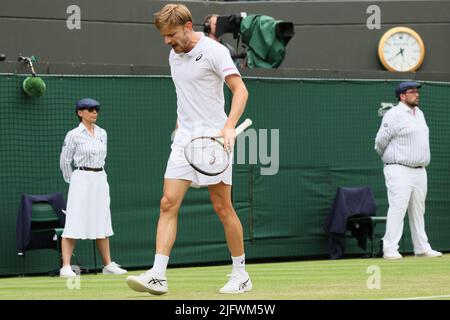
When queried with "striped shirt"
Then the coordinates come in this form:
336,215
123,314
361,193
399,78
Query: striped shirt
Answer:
83,150
403,137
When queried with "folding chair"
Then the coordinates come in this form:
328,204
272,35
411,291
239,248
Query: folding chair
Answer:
40,224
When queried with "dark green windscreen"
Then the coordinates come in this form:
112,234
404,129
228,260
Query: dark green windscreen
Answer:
326,132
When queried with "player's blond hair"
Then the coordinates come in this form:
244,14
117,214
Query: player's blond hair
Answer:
172,15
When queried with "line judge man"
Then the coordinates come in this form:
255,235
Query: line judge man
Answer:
403,144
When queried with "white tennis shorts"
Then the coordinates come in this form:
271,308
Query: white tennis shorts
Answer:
179,168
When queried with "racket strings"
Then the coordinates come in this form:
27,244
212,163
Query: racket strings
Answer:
207,155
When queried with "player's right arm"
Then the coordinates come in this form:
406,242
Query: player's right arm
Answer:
66,157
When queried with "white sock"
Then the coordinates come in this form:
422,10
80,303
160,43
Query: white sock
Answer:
239,264
160,265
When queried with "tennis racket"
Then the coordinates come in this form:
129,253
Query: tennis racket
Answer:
207,154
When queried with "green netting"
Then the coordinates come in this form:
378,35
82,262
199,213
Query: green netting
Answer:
326,129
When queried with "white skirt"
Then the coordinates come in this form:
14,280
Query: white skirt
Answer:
88,215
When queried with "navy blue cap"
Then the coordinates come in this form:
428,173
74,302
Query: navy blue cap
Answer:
87,103
403,86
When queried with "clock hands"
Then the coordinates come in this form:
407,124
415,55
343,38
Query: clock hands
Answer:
400,52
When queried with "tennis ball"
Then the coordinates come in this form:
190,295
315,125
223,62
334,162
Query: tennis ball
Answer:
34,86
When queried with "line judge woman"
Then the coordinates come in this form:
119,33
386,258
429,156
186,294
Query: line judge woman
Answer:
88,214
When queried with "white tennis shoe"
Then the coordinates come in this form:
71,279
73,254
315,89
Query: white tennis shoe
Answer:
392,255
430,254
113,268
67,272
238,283
148,282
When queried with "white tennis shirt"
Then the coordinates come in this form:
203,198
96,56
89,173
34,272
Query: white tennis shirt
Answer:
403,137
199,76
83,150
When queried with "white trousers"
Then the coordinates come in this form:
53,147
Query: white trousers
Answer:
407,191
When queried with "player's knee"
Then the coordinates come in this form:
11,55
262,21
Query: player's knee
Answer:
167,204
222,208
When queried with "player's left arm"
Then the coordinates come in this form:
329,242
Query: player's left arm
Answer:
238,102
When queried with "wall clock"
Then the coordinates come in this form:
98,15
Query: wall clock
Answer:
401,49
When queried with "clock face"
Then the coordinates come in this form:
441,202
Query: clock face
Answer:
401,49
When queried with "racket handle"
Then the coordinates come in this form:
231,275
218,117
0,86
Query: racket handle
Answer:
244,125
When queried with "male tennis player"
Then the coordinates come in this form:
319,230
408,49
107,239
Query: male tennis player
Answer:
199,67
403,144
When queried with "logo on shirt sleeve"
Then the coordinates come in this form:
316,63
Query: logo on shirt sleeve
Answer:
199,57
385,125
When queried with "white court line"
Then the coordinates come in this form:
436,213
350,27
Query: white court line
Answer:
422,298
